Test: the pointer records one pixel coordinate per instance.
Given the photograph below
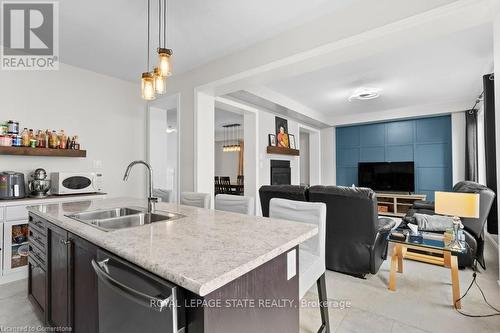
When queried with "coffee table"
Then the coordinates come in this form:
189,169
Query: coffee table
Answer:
431,243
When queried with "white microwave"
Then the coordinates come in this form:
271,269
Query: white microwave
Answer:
75,182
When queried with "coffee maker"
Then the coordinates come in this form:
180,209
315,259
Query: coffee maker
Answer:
12,185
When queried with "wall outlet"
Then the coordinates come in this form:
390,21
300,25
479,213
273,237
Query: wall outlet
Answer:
97,164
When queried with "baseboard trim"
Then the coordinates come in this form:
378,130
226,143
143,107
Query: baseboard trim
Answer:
7,278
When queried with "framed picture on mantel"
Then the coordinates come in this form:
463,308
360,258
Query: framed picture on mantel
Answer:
291,138
272,140
282,132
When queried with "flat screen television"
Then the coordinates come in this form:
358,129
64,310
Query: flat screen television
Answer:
387,176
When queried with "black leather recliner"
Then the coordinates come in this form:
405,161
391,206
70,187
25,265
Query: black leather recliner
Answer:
290,192
473,228
356,239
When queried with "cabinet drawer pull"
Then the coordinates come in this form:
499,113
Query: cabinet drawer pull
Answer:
65,242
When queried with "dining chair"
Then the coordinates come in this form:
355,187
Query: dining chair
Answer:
312,252
225,182
201,200
241,182
235,204
217,185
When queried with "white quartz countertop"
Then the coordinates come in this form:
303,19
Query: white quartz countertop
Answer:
201,252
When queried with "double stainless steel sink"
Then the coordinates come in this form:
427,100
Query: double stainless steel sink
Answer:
123,217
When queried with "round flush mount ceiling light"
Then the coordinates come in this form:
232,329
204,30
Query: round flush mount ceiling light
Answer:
364,94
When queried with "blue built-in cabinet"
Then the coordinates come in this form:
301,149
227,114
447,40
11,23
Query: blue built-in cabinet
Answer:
426,141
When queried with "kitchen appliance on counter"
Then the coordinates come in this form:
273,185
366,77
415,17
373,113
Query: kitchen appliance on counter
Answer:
75,182
12,185
39,185
133,300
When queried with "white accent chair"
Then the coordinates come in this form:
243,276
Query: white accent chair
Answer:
312,252
235,203
201,200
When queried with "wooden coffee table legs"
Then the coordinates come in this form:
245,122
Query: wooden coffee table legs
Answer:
448,261
396,265
455,285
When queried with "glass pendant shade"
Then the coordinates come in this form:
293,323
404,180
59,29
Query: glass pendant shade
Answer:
165,61
148,86
160,82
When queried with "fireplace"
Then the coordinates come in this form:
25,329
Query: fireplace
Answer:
281,173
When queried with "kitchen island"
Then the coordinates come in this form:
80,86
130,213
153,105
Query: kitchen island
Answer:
234,273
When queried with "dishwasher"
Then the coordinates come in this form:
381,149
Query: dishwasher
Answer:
134,300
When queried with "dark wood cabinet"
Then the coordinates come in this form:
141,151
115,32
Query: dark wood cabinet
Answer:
58,269
84,292
37,289
62,283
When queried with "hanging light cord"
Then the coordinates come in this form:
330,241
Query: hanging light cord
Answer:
159,22
147,57
165,24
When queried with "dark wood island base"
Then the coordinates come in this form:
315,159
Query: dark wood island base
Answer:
63,288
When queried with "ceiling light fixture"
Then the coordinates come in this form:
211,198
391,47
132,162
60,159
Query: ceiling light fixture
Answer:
147,79
164,53
231,138
155,81
364,94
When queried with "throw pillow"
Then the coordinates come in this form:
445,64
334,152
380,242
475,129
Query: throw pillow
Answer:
433,222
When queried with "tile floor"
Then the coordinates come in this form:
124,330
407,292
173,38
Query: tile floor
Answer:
422,302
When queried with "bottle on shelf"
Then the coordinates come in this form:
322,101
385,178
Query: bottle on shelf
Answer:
25,137
62,139
53,140
41,141
47,135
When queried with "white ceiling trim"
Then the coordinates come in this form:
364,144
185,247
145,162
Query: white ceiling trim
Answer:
287,102
401,113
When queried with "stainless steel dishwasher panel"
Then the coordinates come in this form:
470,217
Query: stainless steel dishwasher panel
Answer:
134,300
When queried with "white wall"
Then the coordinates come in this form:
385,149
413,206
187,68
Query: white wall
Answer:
107,114
328,157
304,158
226,164
458,146
205,118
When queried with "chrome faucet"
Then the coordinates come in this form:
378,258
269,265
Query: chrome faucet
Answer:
151,200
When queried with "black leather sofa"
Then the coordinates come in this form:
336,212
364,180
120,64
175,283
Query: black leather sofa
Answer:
356,239
473,228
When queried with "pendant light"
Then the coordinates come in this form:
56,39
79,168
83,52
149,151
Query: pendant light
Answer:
164,53
231,138
147,78
160,81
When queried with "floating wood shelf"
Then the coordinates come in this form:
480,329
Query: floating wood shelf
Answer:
28,151
282,151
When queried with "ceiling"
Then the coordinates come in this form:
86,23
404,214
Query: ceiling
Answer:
223,117
441,70
109,36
